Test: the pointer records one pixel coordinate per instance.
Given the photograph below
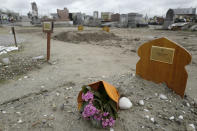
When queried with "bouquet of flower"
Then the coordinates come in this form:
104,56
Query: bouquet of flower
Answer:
98,107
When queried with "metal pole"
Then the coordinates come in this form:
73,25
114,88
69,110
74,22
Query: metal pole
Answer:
48,45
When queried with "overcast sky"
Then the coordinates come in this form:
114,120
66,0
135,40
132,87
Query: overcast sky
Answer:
149,7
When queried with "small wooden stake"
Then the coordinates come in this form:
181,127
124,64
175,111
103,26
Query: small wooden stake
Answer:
48,45
13,32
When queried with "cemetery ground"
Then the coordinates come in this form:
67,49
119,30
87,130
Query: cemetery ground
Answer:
39,95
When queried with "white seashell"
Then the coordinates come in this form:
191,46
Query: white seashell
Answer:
163,97
125,103
111,129
141,102
180,117
171,118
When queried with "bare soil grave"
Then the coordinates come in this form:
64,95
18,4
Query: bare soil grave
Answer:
85,36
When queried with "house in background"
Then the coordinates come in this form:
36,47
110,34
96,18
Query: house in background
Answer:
106,16
185,13
179,15
115,17
63,15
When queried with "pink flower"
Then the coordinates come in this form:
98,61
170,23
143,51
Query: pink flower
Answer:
88,96
89,110
105,113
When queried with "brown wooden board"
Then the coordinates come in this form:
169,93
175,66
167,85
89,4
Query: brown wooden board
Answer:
162,60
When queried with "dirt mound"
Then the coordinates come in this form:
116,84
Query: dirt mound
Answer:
74,36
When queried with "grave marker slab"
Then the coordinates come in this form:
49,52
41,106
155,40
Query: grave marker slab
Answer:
162,60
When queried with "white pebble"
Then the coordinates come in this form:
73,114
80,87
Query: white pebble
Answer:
57,93
20,121
146,110
4,112
147,116
171,118
25,77
133,74
103,76
188,105
192,125
125,103
141,102
180,117
163,97
152,119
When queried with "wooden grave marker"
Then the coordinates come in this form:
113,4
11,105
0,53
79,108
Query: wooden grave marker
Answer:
80,28
106,28
162,60
48,28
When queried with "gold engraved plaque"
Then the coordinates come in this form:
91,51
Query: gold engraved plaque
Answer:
162,54
47,26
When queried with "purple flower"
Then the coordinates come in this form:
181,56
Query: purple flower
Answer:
108,122
98,117
88,96
104,124
89,110
105,113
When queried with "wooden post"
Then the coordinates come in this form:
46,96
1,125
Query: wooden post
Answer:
48,28
13,32
48,45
